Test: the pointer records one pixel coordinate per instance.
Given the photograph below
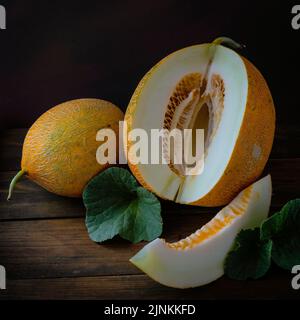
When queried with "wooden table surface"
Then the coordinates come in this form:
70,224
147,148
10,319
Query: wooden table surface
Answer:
47,253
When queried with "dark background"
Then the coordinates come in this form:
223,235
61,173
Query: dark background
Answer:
53,51
60,50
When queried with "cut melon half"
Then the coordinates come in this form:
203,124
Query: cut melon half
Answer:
199,258
208,87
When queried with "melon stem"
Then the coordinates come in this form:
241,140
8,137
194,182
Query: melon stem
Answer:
229,42
14,181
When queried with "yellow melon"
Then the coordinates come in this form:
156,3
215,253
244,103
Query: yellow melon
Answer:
212,87
199,258
59,151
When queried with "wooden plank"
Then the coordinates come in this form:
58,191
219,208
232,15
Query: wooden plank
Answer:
61,247
286,145
30,201
276,285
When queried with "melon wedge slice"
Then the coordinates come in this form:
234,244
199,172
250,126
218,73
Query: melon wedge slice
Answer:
199,258
213,88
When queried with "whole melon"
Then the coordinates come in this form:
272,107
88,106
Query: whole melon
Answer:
59,151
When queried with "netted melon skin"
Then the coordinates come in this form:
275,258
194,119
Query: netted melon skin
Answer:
59,151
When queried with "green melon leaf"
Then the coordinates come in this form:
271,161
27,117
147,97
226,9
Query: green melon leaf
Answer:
250,256
284,230
116,204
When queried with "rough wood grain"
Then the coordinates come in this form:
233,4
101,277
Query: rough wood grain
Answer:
276,285
30,201
62,248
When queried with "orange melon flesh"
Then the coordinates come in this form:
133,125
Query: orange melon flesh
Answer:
199,258
239,124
